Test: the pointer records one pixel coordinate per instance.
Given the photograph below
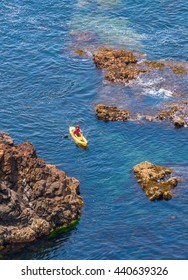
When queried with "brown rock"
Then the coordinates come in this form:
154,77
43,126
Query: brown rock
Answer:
6,139
81,52
175,113
121,65
154,180
179,122
35,197
170,112
111,113
175,67
155,65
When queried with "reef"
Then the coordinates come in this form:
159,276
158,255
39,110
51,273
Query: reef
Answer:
174,113
121,66
155,180
35,198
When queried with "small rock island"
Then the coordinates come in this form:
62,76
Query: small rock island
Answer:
155,180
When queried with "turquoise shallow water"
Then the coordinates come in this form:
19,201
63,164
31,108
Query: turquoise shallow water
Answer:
45,87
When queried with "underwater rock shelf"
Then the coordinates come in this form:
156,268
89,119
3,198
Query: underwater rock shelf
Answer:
35,198
155,180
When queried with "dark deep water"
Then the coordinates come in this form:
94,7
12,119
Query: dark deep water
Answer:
45,87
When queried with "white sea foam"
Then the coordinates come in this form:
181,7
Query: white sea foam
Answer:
149,81
153,87
164,93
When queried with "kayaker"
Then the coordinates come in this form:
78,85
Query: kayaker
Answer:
77,130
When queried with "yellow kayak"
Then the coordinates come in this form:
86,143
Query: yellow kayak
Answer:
81,140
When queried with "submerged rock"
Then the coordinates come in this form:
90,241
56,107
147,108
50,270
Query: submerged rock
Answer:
81,52
83,36
178,68
35,197
155,181
155,65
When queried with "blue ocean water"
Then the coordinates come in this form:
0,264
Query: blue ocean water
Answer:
45,87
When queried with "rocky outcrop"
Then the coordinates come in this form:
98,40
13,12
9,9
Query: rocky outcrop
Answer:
155,180
111,113
35,198
176,114
120,65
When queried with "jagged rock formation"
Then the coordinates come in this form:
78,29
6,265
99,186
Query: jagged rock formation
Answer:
155,180
35,197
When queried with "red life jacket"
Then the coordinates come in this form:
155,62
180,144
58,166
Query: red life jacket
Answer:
77,131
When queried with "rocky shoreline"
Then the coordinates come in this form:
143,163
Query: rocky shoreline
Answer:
35,198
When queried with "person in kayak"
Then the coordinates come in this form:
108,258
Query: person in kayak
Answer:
77,130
